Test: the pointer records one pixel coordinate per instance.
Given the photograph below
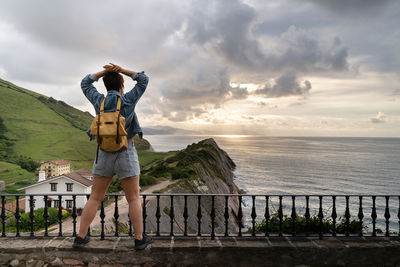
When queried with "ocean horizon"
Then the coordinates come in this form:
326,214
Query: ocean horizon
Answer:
303,165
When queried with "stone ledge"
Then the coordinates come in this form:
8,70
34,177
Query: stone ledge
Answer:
231,251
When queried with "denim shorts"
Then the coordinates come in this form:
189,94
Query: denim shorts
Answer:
124,163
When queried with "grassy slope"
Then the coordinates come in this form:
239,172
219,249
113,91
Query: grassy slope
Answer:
10,172
45,129
38,131
77,118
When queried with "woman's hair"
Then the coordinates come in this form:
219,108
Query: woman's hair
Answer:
113,81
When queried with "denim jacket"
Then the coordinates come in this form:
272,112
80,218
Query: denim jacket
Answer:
128,100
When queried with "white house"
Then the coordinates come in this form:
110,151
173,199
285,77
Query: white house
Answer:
77,182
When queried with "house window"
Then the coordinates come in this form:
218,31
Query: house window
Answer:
53,186
69,187
69,204
49,203
56,203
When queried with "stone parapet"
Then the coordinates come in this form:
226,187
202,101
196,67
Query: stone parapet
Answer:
201,251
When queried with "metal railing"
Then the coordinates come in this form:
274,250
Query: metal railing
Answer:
208,208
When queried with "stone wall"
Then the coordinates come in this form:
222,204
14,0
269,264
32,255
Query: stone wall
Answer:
202,251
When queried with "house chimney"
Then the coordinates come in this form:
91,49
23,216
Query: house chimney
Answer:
42,176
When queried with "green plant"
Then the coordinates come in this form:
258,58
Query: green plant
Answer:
122,227
38,222
147,180
302,227
166,210
180,173
157,191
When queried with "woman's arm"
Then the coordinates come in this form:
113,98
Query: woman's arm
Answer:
89,90
116,68
108,68
127,72
100,73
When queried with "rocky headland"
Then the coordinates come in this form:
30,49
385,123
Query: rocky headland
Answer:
200,168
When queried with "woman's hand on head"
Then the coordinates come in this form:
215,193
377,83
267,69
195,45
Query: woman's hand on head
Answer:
112,68
115,68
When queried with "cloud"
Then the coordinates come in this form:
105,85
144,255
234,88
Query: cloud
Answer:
195,50
191,50
194,94
380,118
286,85
354,7
225,29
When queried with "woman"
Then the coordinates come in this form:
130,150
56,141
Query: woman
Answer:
124,163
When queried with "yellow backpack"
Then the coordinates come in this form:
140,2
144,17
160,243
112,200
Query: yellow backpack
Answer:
109,129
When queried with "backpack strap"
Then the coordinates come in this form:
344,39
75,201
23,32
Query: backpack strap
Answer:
119,114
119,104
102,104
104,100
98,126
98,129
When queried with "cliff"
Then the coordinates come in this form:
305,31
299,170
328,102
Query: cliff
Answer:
200,168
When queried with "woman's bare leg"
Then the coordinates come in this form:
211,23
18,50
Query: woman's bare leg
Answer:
99,189
131,189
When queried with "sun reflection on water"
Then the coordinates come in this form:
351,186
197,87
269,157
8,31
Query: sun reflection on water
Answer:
232,135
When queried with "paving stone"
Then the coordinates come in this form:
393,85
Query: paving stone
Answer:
94,259
30,263
72,262
328,242
57,262
14,262
279,242
340,262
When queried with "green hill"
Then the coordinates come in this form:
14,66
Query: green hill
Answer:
39,127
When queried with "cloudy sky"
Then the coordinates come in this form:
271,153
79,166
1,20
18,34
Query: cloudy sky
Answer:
288,67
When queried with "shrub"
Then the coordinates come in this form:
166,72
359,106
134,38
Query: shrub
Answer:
27,163
158,170
301,226
38,221
147,180
178,173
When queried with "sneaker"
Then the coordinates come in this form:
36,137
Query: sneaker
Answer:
79,241
142,244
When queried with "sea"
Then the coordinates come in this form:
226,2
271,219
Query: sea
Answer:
312,166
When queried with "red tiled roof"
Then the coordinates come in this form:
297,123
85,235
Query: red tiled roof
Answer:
84,172
79,178
59,162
